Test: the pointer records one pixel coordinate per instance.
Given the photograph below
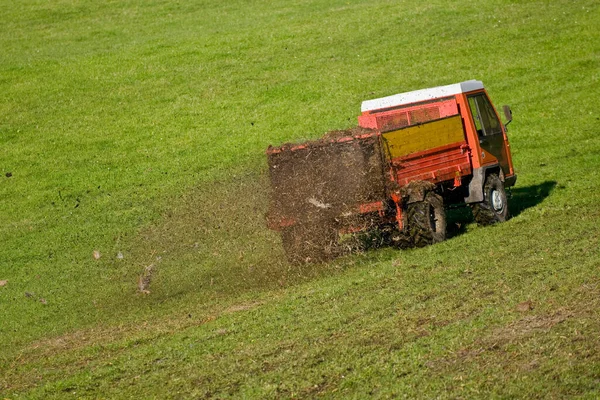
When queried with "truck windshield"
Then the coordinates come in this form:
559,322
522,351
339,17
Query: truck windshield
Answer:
484,116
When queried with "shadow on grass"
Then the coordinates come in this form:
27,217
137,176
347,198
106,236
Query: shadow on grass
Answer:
526,197
521,198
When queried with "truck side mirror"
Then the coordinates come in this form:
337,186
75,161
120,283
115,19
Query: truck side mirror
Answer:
507,114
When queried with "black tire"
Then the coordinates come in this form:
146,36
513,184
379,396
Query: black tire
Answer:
309,242
427,220
494,207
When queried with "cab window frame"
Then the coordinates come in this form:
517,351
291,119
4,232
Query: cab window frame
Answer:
484,124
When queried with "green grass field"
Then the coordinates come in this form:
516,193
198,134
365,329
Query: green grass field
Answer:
137,129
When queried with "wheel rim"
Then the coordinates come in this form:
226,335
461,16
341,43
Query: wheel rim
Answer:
434,220
497,201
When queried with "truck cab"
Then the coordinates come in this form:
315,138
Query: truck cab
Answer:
487,135
482,139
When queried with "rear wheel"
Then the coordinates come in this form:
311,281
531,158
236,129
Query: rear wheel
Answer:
494,207
427,220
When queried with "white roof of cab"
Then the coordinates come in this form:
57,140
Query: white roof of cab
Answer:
421,95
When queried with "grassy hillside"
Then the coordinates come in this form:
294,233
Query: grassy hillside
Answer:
137,130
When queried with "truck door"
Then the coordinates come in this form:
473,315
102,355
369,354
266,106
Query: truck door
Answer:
489,131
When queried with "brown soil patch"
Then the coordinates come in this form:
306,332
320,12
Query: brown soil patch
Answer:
111,335
498,346
529,325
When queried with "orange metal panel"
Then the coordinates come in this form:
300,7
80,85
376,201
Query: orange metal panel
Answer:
437,165
371,207
400,117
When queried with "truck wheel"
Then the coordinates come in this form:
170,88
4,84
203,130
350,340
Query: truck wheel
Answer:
494,207
310,242
427,220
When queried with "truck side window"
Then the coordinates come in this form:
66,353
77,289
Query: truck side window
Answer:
475,113
484,116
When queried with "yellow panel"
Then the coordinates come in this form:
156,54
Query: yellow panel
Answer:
426,136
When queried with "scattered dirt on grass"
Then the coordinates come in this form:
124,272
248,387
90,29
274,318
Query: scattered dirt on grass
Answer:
529,325
212,243
110,340
243,307
326,386
214,240
524,306
105,335
497,348
568,332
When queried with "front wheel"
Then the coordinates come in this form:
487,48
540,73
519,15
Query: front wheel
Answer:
494,207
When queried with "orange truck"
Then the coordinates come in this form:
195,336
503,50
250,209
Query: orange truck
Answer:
412,156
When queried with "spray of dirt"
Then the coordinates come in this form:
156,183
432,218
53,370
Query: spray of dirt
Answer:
317,188
215,240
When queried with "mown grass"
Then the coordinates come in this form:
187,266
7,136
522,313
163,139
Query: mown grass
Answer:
140,128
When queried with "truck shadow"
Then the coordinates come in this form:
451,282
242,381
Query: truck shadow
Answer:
520,199
529,196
